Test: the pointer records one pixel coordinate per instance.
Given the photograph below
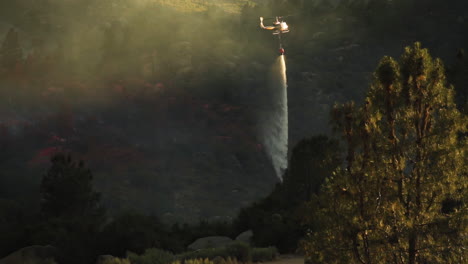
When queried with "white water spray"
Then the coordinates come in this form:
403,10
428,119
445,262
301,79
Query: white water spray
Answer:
274,121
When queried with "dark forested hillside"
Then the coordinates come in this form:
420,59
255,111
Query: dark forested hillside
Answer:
161,100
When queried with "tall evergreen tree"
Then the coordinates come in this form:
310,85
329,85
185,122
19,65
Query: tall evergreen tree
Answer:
312,159
276,220
459,76
67,190
72,215
401,197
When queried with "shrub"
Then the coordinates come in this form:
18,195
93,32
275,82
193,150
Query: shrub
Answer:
230,260
115,261
264,254
194,261
198,261
219,260
209,253
151,256
239,250
135,232
40,261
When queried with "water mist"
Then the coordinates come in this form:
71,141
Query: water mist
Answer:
274,119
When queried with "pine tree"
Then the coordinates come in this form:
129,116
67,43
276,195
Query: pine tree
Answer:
401,197
67,190
72,215
312,159
459,76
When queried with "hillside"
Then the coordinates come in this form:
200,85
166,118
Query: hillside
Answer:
163,104
229,6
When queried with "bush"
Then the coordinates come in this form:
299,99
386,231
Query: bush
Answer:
135,232
219,260
228,260
114,260
194,261
264,254
151,256
198,261
240,251
209,253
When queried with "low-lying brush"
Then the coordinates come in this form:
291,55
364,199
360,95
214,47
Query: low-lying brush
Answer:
264,254
240,251
152,256
209,253
115,260
229,260
237,250
233,254
198,261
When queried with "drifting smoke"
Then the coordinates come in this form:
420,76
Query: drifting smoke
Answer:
274,122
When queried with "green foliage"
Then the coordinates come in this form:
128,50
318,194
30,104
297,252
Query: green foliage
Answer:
271,219
210,253
41,261
405,158
458,75
277,219
217,260
51,261
225,255
312,159
70,209
264,254
134,232
228,260
240,251
151,256
114,260
198,261
13,227
237,250
271,226
67,190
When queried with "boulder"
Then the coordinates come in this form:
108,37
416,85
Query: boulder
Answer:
245,237
210,242
32,255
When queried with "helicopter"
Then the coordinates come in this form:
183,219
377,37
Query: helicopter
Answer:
279,27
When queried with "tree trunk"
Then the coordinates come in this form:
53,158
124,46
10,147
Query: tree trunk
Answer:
412,249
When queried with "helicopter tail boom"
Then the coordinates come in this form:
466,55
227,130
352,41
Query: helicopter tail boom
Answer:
263,26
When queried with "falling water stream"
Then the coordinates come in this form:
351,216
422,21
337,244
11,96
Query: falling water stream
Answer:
274,123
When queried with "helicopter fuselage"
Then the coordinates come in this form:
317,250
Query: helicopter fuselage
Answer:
278,28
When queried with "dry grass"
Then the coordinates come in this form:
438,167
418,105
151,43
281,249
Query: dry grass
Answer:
287,259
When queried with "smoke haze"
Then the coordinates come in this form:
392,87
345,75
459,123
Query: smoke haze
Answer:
166,99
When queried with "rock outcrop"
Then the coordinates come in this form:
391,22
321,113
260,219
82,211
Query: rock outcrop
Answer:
210,242
245,237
